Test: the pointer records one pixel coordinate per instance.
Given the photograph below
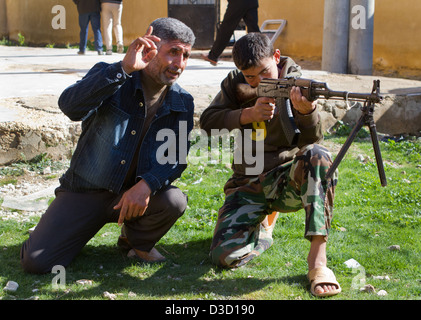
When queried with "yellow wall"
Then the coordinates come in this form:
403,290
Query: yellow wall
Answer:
397,26
3,18
397,34
32,18
303,33
397,30
138,14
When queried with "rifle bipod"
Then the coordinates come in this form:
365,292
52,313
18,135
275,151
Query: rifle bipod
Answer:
365,119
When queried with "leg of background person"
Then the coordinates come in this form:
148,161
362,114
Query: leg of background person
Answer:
231,19
251,20
107,17
118,29
83,36
96,28
69,223
164,208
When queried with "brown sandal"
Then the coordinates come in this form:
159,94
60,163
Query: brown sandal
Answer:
323,275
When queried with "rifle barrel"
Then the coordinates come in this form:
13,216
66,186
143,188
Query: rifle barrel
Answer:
331,94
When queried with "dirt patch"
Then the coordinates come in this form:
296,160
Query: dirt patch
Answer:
37,126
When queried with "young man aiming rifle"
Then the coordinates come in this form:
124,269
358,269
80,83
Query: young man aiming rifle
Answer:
293,175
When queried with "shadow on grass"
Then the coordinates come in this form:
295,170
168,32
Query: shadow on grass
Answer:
188,273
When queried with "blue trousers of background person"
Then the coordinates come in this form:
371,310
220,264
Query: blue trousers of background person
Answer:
95,19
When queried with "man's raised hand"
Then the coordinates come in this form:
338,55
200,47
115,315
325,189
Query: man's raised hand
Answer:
140,52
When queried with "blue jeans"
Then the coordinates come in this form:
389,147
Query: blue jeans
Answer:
95,19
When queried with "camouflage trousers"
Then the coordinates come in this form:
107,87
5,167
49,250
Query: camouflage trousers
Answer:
247,218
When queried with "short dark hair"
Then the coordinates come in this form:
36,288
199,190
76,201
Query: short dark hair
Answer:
250,49
172,29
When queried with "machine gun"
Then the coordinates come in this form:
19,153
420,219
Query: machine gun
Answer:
312,90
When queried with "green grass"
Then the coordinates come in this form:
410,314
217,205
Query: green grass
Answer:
368,219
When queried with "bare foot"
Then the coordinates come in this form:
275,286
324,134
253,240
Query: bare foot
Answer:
212,62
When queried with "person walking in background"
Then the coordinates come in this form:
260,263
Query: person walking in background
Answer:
89,10
111,11
236,10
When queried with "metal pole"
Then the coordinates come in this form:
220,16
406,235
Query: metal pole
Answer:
360,54
335,36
